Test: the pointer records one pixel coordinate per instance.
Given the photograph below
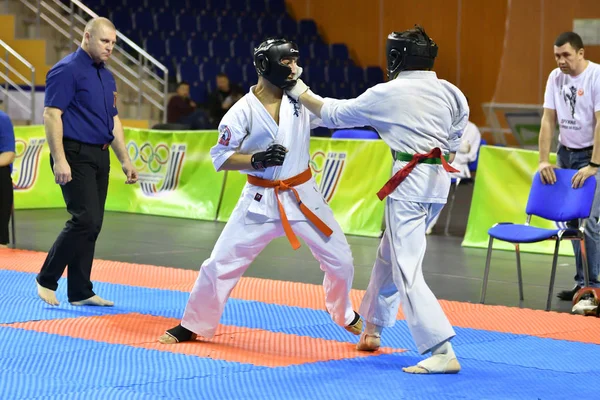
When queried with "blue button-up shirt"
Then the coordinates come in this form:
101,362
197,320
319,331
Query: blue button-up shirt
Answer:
7,135
87,94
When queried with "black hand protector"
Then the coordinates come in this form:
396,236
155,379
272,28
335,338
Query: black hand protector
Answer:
273,156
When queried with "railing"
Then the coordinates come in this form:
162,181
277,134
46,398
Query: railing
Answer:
22,98
137,72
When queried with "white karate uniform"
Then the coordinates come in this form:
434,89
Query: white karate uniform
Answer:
467,152
248,128
413,113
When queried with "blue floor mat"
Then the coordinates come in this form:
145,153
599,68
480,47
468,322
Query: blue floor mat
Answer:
495,365
380,378
77,364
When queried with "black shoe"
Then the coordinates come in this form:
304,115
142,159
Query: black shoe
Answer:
567,295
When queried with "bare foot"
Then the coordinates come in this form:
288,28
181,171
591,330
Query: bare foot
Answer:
49,296
436,364
95,300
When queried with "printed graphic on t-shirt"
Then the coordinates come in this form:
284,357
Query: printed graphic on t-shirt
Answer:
569,94
570,98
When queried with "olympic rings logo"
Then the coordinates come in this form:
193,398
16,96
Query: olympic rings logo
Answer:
315,161
148,158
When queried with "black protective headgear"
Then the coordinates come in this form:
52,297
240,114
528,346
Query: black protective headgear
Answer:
411,49
267,61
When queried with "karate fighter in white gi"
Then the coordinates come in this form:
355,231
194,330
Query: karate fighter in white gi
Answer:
266,135
421,118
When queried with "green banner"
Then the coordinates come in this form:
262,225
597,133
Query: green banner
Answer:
349,174
234,183
502,184
176,175
33,180
177,178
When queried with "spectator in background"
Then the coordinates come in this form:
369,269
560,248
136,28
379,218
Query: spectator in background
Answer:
572,99
223,98
184,111
466,154
7,156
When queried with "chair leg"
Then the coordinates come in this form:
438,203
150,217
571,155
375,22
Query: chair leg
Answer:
13,241
519,274
586,272
486,272
450,207
552,275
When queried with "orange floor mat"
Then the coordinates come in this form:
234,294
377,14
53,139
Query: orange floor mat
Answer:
231,343
468,315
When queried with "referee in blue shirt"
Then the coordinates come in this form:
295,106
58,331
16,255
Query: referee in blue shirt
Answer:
7,156
81,122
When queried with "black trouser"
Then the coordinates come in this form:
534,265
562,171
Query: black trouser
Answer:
84,196
6,202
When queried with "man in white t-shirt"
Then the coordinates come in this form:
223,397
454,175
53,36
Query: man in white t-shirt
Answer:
572,100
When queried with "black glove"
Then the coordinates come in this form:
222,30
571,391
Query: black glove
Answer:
274,155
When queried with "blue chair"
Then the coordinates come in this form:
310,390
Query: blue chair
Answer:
355,134
559,203
374,75
339,51
307,27
198,92
315,73
208,24
189,71
268,27
343,91
354,74
177,48
187,23
320,51
335,74
209,71
249,74
276,7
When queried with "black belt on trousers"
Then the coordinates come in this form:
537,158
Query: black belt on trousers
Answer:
103,146
572,150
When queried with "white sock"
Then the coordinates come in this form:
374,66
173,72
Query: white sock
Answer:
443,348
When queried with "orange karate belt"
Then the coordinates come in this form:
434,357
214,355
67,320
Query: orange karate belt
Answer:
288,184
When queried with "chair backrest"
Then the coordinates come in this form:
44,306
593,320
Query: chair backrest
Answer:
354,134
560,202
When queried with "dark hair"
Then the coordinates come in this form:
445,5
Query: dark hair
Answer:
417,32
222,75
569,37
182,83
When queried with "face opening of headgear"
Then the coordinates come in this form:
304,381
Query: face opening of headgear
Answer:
409,50
268,61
